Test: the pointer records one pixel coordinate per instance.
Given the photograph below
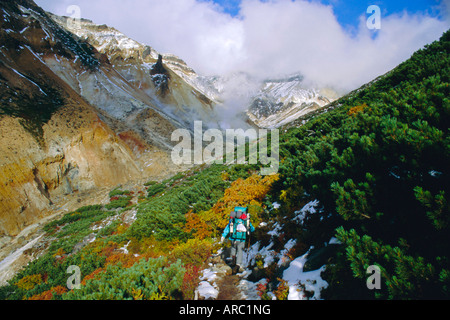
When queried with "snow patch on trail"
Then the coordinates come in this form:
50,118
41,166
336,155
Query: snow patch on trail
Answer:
207,291
302,285
311,280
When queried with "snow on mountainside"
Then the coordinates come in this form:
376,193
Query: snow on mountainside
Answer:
268,104
281,101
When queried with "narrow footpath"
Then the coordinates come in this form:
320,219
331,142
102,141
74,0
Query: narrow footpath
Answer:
219,283
228,289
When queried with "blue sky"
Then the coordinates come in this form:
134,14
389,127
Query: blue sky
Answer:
348,11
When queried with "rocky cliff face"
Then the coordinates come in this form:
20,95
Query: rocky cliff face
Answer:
32,176
69,121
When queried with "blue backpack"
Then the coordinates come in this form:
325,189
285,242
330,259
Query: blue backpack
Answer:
239,223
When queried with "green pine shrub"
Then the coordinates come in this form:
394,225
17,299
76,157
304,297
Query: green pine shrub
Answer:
377,161
150,279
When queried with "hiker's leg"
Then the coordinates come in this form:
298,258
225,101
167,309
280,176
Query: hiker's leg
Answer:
233,252
240,252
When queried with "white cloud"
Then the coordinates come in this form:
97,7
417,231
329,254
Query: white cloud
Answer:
196,31
269,38
284,36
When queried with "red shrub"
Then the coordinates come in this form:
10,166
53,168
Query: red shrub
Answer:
190,281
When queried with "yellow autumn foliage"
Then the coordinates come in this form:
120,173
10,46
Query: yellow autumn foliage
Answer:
245,193
29,282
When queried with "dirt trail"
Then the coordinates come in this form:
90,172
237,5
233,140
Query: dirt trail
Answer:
228,286
228,289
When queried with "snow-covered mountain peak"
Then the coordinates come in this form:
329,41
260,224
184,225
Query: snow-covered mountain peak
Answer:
108,40
283,100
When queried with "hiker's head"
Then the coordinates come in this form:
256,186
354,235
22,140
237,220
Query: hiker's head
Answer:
233,214
243,216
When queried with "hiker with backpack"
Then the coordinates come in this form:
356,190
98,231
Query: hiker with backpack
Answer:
238,229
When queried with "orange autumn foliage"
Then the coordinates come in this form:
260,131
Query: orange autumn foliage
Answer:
49,294
249,193
127,260
92,275
29,282
197,223
355,110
